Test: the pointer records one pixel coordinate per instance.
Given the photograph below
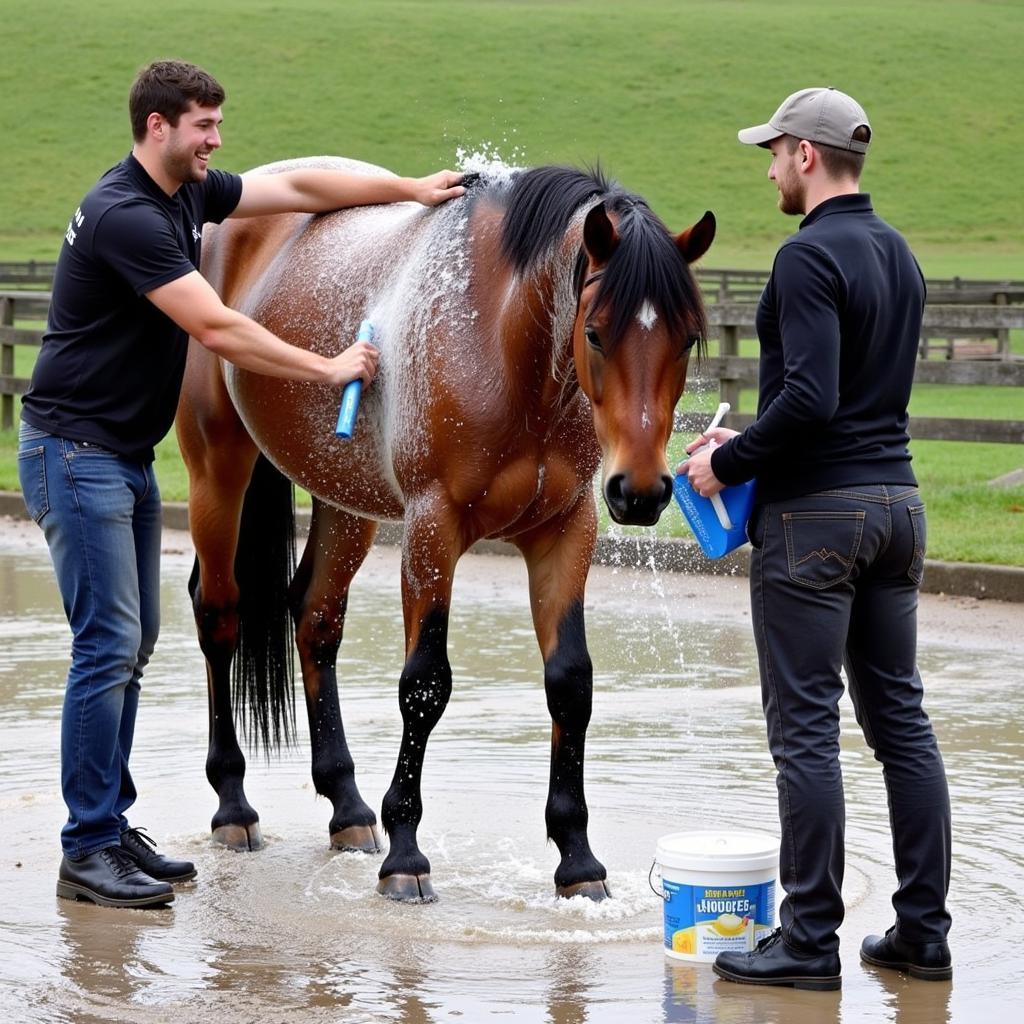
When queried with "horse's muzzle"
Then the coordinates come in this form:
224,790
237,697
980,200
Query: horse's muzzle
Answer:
631,507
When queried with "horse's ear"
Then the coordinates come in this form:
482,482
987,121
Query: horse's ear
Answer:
599,235
695,241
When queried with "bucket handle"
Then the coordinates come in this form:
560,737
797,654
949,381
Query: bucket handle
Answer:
650,874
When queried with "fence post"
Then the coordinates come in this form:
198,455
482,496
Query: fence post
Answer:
7,364
1003,333
729,388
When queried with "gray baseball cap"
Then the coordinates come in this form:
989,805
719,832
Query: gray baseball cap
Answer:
823,115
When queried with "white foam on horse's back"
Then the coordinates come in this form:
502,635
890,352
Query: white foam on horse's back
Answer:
422,317
412,264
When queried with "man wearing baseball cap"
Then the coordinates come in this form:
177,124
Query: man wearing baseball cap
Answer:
838,538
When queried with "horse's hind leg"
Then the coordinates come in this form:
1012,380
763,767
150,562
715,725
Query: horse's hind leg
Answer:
430,550
558,558
338,543
220,456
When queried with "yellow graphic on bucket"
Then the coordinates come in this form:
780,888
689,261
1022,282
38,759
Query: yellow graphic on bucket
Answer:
730,924
684,941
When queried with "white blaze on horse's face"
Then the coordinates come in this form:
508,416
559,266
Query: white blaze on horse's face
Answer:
647,315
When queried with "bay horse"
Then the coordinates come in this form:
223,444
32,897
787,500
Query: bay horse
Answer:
527,330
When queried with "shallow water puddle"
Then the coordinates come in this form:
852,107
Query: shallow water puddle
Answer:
296,932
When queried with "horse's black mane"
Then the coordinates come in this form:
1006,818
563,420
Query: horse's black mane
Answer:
646,265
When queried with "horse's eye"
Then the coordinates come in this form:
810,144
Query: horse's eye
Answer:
592,339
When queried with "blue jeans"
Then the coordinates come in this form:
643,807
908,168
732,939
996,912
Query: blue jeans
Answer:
834,581
100,513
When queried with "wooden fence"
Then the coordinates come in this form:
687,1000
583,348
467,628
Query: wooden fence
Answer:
730,321
34,273
731,286
721,285
746,285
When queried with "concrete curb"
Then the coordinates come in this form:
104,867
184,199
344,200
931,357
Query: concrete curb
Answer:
670,554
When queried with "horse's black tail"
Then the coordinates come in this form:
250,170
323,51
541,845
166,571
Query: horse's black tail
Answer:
262,675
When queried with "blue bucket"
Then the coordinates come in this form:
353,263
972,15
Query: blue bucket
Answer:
719,526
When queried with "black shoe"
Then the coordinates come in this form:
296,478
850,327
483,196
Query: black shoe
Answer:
929,961
138,845
772,962
110,878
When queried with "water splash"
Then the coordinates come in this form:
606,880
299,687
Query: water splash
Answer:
487,161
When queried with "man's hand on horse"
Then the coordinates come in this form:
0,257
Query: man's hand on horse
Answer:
358,361
439,188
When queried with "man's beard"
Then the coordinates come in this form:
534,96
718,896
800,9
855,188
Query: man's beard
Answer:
792,194
180,165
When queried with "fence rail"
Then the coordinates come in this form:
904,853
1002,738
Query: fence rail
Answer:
722,282
32,272
729,322
727,283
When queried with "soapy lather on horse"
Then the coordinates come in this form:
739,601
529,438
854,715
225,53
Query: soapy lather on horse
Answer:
528,331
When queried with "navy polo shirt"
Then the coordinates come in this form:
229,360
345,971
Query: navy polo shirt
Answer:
111,364
839,324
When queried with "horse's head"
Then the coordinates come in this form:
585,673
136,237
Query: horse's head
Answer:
639,316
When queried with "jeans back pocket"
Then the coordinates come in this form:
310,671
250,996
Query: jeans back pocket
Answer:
822,546
918,523
32,475
88,448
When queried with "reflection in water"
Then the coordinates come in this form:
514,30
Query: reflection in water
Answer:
683,995
753,1004
109,962
693,995
296,934
568,969
911,1001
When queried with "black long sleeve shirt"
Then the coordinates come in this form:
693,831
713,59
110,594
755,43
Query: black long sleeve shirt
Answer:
839,325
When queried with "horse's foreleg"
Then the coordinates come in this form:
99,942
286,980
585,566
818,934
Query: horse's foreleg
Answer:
338,543
558,558
430,552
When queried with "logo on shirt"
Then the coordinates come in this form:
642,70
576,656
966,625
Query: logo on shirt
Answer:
76,222
196,233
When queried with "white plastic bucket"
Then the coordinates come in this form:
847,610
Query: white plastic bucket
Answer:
718,890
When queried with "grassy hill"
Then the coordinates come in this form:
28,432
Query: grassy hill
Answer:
654,89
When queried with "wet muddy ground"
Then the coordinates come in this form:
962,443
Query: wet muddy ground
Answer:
296,933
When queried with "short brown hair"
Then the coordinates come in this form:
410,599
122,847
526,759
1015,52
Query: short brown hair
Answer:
840,163
167,87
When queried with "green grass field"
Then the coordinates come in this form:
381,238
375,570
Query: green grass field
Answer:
654,90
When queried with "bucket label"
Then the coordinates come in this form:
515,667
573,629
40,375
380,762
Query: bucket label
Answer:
705,920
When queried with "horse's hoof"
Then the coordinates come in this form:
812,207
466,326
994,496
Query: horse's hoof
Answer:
243,838
407,888
360,838
596,891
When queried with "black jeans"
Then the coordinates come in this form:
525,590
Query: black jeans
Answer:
834,580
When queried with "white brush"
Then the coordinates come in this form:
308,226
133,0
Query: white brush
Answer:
716,499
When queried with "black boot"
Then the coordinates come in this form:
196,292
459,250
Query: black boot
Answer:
772,962
138,845
929,961
110,878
